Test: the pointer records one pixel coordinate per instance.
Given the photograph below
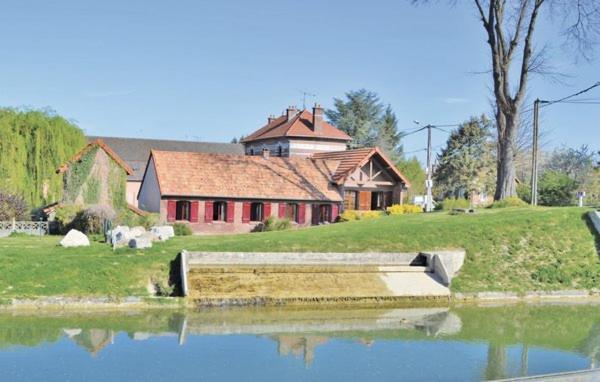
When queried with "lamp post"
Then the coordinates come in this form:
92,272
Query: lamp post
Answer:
428,170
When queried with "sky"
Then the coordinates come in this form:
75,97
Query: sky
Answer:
214,70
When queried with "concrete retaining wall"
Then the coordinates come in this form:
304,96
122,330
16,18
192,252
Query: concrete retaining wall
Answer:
213,278
595,218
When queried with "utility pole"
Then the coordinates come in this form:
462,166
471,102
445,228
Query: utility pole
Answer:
534,153
429,182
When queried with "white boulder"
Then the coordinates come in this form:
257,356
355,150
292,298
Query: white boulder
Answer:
141,242
136,231
120,235
75,238
163,232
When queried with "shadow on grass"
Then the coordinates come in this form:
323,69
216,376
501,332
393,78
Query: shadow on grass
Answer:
588,221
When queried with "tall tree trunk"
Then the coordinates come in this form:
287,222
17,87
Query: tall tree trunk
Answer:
506,172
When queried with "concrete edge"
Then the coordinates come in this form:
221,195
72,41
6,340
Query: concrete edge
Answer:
525,296
595,218
90,303
184,272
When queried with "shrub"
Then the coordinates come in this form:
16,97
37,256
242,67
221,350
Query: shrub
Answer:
91,220
65,215
12,207
351,215
274,224
512,201
449,204
147,221
398,209
182,229
557,189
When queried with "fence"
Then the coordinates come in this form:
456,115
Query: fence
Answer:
28,227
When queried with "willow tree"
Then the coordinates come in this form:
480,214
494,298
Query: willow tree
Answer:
33,144
510,27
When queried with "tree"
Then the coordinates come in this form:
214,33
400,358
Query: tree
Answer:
412,169
387,136
510,27
33,143
465,164
358,116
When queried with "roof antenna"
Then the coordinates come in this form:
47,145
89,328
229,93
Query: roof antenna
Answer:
304,94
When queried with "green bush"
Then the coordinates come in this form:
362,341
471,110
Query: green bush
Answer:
182,229
556,189
524,192
273,224
65,216
512,201
449,204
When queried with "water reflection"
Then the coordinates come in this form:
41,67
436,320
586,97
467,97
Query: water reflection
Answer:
507,333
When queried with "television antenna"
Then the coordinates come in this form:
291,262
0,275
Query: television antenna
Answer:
304,94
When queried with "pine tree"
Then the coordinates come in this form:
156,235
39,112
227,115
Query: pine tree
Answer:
388,137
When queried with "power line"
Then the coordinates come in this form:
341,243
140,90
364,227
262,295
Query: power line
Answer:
548,103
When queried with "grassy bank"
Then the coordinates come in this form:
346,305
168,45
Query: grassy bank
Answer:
507,250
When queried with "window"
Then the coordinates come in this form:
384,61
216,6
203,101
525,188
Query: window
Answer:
182,210
220,211
377,200
257,212
280,151
291,212
251,151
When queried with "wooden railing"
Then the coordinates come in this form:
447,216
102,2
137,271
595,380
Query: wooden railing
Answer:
28,227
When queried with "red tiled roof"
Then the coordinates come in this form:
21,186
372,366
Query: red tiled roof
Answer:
300,126
100,143
350,160
240,176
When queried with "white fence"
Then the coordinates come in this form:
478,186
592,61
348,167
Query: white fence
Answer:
28,227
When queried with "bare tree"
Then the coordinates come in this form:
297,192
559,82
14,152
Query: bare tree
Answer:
510,26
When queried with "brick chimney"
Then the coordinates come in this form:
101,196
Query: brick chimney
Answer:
317,121
291,112
271,119
266,153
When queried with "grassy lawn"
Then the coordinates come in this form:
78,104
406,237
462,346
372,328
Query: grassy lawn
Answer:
507,250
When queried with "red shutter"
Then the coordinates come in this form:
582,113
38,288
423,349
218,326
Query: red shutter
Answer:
281,210
335,211
301,213
194,212
230,211
208,211
267,210
171,210
246,212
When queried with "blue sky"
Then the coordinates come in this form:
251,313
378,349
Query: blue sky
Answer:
202,70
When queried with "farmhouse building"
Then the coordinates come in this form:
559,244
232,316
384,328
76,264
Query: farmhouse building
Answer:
296,133
95,175
218,193
135,152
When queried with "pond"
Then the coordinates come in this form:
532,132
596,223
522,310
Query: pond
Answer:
462,343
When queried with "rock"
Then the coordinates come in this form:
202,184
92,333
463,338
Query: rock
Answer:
120,235
75,238
141,242
163,232
136,231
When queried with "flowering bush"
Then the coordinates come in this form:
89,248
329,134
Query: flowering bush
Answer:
398,209
12,207
350,215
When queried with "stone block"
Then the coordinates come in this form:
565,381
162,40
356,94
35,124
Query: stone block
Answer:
164,232
75,238
141,242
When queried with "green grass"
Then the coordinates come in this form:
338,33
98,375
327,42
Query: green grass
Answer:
511,249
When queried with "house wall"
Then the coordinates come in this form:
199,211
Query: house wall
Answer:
149,194
294,147
237,226
132,190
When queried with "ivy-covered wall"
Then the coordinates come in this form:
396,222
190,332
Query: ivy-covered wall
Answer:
95,179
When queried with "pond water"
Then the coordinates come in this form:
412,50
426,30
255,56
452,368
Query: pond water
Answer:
294,344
